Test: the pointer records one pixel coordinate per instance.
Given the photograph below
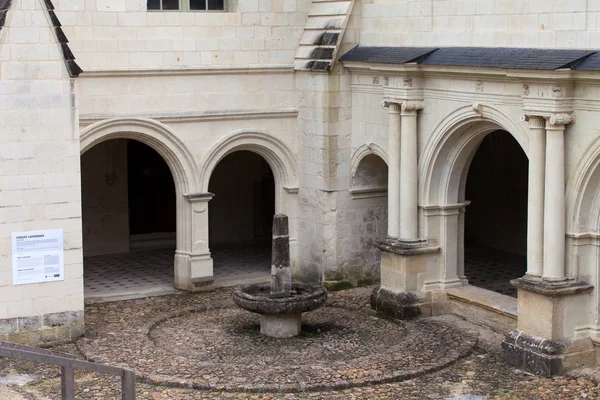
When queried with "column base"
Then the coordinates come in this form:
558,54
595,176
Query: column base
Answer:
193,271
401,305
544,342
402,262
544,357
281,326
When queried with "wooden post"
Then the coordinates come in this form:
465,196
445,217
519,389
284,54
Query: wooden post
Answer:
128,385
67,383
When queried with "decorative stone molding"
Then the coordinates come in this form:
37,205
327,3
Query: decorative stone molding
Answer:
552,118
393,106
534,121
583,192
171,71
562,119
277,154
363,151
154,134
449,146
479,87
413,105
477,109
211,115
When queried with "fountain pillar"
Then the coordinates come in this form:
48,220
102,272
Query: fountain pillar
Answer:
280,304
281,273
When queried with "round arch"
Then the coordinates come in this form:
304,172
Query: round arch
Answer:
583,192
279,157
365,150
451,148
154,134
172,149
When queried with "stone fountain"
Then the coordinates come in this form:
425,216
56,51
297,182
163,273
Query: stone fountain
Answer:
280,303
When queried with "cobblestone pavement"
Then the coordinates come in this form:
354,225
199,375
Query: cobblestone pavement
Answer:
479,375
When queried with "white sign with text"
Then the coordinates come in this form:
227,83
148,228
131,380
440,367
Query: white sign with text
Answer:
38,257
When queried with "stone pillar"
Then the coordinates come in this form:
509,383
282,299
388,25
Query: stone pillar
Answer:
554,202
409,171
535,201
281,273
393,169
194,265
545,341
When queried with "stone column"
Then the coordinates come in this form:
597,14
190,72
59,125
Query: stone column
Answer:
409,172
535,201
393,169
554,202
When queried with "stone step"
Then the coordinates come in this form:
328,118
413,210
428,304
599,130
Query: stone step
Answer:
484,307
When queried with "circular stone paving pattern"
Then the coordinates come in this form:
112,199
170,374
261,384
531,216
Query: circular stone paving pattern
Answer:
222,348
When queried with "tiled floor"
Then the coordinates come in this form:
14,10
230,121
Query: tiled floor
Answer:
150,272
493,269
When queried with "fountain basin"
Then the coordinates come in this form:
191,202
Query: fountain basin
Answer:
280,316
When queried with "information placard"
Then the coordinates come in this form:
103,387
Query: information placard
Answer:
37,256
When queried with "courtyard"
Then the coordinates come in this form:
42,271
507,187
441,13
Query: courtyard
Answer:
200,346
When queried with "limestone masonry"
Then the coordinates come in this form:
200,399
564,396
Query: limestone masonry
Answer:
417,144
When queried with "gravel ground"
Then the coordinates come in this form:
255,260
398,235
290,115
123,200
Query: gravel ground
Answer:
479,375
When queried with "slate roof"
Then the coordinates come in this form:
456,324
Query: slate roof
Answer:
591,63
72,67
498,57
387,55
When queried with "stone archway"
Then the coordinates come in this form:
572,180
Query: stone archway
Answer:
280,159
183,168
443,171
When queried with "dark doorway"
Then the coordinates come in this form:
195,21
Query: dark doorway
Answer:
496,219
128,216
151,191
241,214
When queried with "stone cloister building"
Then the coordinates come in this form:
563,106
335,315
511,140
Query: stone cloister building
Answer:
439,147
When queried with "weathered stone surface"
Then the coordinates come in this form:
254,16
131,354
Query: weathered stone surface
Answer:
256,298
281,273
63,318
30,323
280,326
537,355
403,305
8,326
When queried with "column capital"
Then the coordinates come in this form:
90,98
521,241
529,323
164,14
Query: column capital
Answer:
394,106
413,105
562,119
534,119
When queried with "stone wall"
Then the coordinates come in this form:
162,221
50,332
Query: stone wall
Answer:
40,184
104,194
109,34
506,23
